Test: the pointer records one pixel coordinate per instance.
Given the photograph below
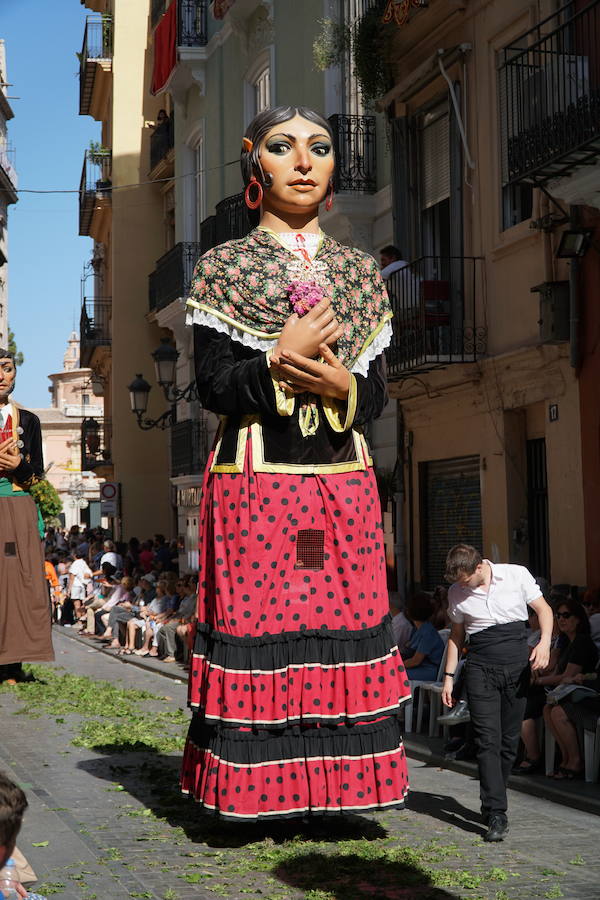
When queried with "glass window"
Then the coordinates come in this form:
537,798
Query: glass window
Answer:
262,90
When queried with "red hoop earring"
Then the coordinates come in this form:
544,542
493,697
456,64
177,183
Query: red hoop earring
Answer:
329,196
250,203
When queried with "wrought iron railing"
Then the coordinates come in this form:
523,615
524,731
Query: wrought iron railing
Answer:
549,84
162,140
156,10
173,274
94,187
96,437
355,151
189,447
231,219
208,233
97,45
94,326
435,300
192,23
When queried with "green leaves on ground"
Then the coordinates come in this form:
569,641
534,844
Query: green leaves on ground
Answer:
111,718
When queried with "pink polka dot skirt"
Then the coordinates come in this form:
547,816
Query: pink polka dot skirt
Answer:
295,682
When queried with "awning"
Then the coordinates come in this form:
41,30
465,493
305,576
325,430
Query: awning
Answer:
165,49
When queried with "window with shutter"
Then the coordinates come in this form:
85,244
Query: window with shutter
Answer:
517,199
450,512
435,157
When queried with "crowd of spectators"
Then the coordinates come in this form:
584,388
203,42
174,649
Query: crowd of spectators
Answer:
129,596
565,696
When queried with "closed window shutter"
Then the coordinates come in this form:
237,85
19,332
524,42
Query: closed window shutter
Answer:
450,512
435,158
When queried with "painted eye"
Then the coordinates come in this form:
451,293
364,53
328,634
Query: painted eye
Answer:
278,147
321,149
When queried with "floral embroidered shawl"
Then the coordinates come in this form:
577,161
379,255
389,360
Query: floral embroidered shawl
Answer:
241,286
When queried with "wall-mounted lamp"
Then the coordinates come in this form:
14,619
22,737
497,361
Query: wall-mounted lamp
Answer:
573,243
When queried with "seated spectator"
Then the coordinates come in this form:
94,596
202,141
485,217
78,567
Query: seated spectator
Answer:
578,656
128,609
402,629
178,626
112,558
146,556
440,619
148,618
425,648
122,594
591,604
536,700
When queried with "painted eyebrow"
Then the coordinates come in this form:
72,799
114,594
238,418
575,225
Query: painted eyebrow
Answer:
293,139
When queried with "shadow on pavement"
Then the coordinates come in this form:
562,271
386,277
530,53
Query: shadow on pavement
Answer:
352,876
153,779
446,809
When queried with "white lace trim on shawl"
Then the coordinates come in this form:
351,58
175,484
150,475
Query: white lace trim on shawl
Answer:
360,367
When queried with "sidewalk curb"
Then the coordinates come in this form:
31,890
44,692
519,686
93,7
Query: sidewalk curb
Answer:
139,661
540,787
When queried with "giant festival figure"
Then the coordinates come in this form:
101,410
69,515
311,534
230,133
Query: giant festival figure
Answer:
295,682
25,623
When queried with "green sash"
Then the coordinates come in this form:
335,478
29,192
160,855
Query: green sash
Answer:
7,490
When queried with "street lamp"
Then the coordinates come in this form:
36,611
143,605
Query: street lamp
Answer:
138,394
91,429
165,360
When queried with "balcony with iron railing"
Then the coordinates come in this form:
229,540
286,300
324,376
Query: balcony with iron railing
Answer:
173,275
189,447
231,219
192,20
162,141
435,304
94,188
355,153
96,436
95,64
8,173
549,83
94,327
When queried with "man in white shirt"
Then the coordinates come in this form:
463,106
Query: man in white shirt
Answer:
80,576
488,602
111,557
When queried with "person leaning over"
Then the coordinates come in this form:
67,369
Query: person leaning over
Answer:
488,602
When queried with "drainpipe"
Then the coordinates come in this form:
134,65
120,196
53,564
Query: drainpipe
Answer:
399,543
411,527
574,304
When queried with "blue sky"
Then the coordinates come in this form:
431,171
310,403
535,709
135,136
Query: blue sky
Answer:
46,255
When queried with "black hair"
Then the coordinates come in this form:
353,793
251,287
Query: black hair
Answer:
7,354
257,129
13,804
390,250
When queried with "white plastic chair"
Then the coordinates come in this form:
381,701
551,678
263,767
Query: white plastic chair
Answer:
591,752
434,689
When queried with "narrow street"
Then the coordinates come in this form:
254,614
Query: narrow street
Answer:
106,819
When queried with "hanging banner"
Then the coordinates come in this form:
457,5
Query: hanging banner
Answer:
165,49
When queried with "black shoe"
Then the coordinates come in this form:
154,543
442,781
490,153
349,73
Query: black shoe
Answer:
497,828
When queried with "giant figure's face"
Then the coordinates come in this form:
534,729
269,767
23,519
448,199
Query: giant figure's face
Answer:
8,373
298,156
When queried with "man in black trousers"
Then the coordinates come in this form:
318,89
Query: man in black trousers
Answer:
488,602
